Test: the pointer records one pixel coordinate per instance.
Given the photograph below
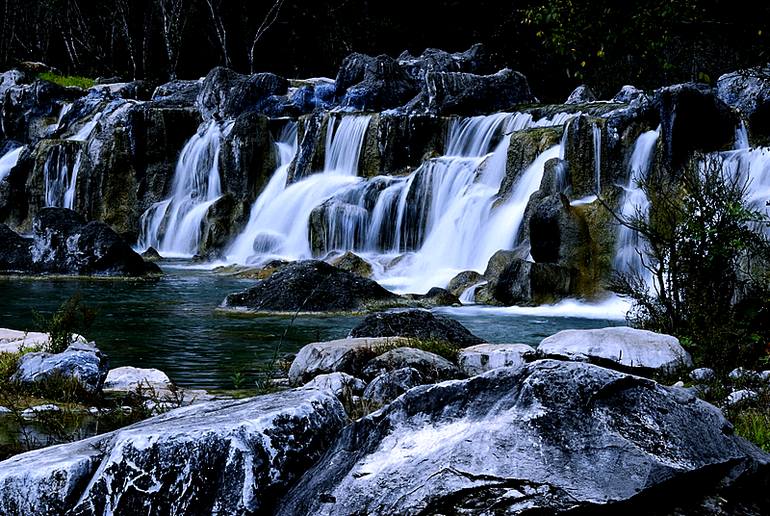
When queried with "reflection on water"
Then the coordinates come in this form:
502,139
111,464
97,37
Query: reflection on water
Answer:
172,324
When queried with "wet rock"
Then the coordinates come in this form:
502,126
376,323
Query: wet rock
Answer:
435,297
29,111
476,59
15,251
151,255
512,280
129,379
463,282
231,457
227,94
81,363
353,263
531,438
312,286
702,374
390,385
624,348
627,94
481,358
344,355
748,91
431,367
366,83
177,94
418,324
581,95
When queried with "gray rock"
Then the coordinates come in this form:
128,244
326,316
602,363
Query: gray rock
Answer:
702,374
225,457
431,367
548,437
226,94
418,324
745,90
627,94
83,363
353,263
620,347
435,297
34,412
463,282
128,379
743,374
344,355
740,396
4,411
342,385
13,341
485,357
392,384
764,376
581,95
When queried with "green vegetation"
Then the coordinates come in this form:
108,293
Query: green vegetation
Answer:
67,80
437,347
754,424
71,318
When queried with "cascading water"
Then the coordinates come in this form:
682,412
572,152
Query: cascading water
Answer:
173,226
752,167
60,176
8,161
741,137
598,158
278,225
634,203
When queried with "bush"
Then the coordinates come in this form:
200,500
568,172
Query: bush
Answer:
70,318
706,261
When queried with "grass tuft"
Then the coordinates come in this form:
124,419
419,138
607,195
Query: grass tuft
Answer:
67,80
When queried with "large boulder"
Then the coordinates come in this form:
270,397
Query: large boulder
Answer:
581,95
312,286
224,457
130,379
344,355
547,438
227,94
431,367
417,324
28,111
513,280
748,91
629,349
81,363
177,94
481,358
366,83
463,281
477,59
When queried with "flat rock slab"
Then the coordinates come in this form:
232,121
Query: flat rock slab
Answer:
13,341
129,379
619,347
344,355
223,457
485,357
547,437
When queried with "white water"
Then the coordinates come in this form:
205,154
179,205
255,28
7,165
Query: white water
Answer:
468,297
613,308
635,203
741,137
60,176
8,161
751,166
598,158
173,226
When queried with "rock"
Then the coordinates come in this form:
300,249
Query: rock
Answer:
741,374
5,411
702,374
476,59
227,94
765,376
678,385
740,396
27,111
481,358
312,286
353,263
463,282
228,457
13,341
531,439
63,243
431,367
513,280
34,412
627,94
581,95
177,94
344,355
390,385
418,324
129,379
366,83
748,91
82,363
342,385
470,94
435,297
620,347
151,255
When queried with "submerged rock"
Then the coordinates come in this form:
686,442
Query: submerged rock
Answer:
548,437
226,457
312,286
81,363
620,347
415,323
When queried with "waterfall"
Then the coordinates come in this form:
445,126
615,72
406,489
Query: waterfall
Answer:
60,176
741,137
173,226
751,166
279,221
634,202
598,158
8,161
468,297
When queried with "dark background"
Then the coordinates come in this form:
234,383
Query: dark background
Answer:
557,44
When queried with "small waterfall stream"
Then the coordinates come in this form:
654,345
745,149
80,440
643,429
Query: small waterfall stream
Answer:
60,176
173,226
597,131
8,161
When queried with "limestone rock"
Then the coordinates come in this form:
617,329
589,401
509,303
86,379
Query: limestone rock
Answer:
481,358
431,367
392,384
82,363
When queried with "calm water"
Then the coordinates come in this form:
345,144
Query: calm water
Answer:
171,324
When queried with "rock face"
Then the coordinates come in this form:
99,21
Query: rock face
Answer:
531,439
312,286
431,367
344,355
63,243
418,324
367,83
470,94
82,363
627,348
228,457
486,357
226,94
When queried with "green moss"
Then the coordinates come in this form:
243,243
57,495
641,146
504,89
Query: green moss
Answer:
67,80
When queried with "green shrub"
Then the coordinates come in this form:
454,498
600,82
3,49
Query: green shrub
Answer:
70,318
67,80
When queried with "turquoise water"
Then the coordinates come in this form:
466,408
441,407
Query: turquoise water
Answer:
172,323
